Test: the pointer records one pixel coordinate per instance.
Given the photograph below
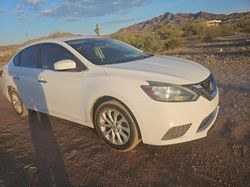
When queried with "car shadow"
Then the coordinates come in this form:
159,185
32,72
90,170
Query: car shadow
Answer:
50,164
239,88
11,173
47,155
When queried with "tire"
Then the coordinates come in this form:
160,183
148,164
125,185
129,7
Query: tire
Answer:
116,126
17,104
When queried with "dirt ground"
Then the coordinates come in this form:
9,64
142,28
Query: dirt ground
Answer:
46,151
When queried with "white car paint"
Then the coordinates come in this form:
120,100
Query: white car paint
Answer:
161,68
72,95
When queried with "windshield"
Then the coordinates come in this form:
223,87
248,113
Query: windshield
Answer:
102,51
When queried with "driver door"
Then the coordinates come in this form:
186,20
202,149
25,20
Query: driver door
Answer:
63,90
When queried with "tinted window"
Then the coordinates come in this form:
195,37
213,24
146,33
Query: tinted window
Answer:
106,51
29,57
53,53
16,59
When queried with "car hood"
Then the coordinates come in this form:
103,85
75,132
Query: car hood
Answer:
161,68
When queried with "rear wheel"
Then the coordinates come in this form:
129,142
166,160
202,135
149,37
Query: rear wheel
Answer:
116,126
18,104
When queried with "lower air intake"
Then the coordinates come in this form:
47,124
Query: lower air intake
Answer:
207,121
176,132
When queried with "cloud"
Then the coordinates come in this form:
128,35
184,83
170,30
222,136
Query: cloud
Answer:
20,13
2,10
34,2
121,21
91,8
28,8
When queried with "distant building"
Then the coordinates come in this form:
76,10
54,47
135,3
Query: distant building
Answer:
213,23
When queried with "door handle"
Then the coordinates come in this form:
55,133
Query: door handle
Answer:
42,81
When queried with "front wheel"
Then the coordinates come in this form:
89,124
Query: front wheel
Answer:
116,126
17,104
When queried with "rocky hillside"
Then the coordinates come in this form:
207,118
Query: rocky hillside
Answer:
181,19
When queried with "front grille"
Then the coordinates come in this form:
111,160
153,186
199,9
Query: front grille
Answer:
176,132
207,121
206,88
208,85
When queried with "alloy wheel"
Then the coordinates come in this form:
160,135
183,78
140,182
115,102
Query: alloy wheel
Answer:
17,103
114,127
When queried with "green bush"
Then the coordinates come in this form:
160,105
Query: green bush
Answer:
199,31
212,32
145,43
173,43
227,29
168,32
243,25
195,28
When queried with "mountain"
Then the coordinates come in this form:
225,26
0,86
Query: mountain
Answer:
179,19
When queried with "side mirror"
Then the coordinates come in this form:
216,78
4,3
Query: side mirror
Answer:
64,65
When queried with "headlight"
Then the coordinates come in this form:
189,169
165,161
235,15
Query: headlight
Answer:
169,93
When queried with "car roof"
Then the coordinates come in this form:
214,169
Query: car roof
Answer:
58,40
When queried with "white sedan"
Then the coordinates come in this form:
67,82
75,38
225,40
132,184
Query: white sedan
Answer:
122,92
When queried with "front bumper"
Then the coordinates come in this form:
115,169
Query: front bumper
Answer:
156,119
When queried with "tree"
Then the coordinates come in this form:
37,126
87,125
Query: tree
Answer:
97,30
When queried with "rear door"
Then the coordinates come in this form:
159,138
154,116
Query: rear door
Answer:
25,75
63,90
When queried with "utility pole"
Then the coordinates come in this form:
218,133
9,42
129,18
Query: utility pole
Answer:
27,35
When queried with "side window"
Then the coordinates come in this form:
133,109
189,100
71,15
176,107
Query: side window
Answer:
29,57
52,53
16,59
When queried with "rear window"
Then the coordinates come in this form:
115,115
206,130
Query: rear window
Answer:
16,59
29,57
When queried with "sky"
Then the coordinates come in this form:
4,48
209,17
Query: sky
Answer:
26,19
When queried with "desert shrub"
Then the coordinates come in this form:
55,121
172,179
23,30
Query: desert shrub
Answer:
118,36
212,32
151,45
227,29
136,41
173,43
168,32
5,59
199,31
171,36
195,28
7,54
243,25
218,31
145,43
